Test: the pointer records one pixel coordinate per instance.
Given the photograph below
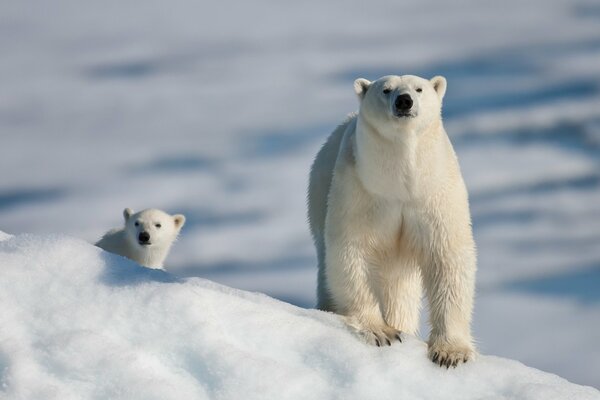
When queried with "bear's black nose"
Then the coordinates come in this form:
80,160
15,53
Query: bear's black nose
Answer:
144,237
404,102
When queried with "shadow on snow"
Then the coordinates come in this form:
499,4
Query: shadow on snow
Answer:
580,285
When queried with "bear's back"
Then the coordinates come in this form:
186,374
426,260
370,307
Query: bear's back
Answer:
321,175
114,241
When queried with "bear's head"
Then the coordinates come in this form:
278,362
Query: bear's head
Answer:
393,103
151,227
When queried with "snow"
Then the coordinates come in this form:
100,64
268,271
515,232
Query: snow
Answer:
216,109
80,323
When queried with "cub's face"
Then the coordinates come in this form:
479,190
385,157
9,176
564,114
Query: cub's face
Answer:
395,103
152,228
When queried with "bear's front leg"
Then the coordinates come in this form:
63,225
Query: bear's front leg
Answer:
450,285
351,286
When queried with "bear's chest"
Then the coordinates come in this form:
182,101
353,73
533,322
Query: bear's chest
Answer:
390,182
395,228
388,172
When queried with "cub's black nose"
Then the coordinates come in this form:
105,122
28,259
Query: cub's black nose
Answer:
403,102
144,237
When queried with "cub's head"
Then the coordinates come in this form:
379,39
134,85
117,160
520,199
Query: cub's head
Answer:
393,103
152,228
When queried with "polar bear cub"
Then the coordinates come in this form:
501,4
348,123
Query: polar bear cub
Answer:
146,237
389,213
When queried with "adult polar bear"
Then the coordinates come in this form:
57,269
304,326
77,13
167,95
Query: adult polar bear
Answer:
388,210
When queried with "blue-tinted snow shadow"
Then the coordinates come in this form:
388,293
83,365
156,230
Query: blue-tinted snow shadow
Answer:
578,245
120,271
590,181
183,59
494,217
581,285
202,370
278,143
126,69
228,267
575,136
587,10
468,78
467,103
175,164
296,301
207,218
228,271
485,66
19,197
522,216
4,366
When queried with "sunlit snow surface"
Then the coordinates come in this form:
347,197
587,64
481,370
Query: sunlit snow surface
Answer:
79,323
216,110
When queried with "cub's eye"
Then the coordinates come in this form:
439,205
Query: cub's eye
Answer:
387,91
419,90
157,225
137,223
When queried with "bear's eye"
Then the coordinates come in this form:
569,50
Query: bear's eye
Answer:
387,91
419,90
137,223
157,225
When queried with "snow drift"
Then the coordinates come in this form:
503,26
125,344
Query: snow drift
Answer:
80,323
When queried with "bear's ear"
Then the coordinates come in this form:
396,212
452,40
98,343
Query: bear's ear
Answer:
439,85
127,213
361,85
179,220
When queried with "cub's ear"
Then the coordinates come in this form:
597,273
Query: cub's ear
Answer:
361,85
439,85
127,213
179,220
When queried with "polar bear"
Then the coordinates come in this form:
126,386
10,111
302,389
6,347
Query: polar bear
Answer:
389,212
146,237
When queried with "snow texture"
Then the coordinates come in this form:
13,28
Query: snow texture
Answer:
80,323
216,110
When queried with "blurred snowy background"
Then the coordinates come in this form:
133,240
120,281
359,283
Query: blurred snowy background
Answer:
215,110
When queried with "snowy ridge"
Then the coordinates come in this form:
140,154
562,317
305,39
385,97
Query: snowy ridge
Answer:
80,323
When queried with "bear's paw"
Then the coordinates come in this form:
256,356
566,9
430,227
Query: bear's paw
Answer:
450,354
377,334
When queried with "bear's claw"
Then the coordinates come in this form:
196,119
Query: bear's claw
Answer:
380,337
378,334
450,354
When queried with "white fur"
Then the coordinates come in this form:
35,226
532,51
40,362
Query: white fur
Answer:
389,213
162,228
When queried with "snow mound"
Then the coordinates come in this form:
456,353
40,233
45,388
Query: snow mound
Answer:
80,323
